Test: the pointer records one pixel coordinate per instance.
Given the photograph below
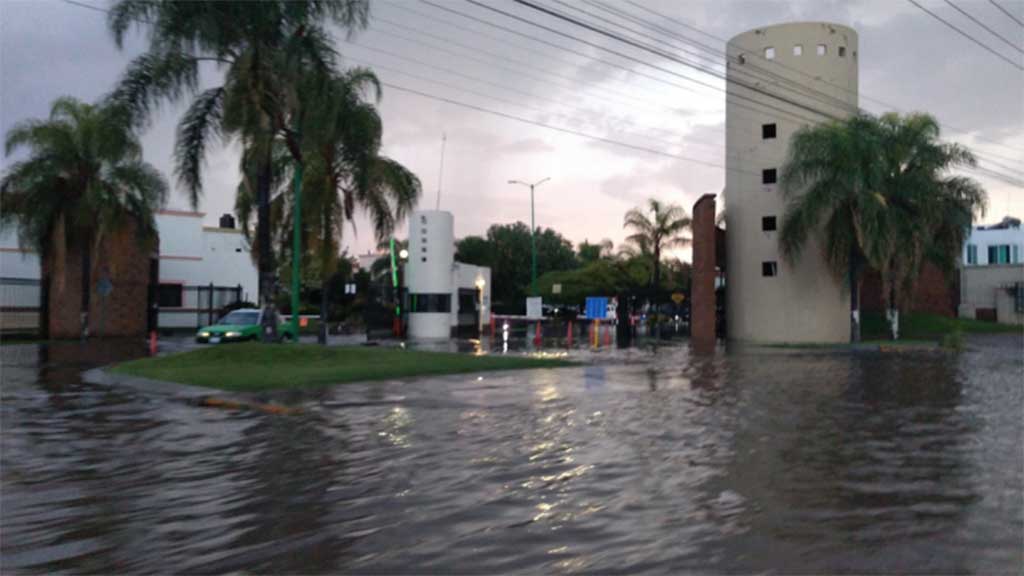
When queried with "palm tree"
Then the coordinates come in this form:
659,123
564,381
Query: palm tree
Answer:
931,211
270,52
84,179
344,171
873,192
652,235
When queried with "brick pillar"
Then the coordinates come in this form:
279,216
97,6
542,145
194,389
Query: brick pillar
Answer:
702,295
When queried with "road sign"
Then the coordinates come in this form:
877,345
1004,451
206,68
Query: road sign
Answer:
678,297
597,307
556,288
104,287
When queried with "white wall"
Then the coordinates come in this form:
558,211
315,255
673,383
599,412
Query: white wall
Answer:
985,238
430,269
16,262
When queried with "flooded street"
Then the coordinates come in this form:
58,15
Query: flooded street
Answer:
638,461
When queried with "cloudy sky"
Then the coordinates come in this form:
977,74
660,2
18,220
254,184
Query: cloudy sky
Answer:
443,48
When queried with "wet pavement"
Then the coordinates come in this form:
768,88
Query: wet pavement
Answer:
641,460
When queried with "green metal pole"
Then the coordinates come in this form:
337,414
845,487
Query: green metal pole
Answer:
533,247
297,250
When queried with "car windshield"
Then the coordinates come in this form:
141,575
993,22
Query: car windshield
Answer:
241,318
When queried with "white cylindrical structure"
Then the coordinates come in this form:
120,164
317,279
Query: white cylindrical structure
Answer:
429,273
781,78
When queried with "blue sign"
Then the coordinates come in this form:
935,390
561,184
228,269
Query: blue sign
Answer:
597,307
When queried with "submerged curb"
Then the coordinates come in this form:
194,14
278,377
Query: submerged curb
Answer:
193,395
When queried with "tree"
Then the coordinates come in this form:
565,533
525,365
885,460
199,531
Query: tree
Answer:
506,250
872,190
653,235
587,252
344,172
84,179
270,51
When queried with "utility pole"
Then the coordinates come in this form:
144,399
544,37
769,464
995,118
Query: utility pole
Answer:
533,234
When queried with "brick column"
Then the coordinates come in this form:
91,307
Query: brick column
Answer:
702,295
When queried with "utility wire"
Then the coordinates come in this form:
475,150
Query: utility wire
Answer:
664,17
983,25
1007,12
968,36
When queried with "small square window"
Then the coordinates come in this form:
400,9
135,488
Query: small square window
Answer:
424,259
423,219
768,223
769,53
424,249
423,240
842,51
769,176
767,131
741,59
770,268
822,49
798,50
423,231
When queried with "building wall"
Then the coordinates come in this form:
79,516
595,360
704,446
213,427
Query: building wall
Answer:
468,276
429,271
934,292
983,238
984,288
803,302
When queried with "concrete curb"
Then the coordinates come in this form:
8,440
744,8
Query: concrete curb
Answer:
194,395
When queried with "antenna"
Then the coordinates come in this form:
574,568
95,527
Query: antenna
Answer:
440,173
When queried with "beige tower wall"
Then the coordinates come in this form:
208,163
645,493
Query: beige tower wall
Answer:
803,302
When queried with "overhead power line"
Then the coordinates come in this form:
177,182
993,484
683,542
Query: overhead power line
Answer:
557,128
968,36
983,25
666,18
1007,12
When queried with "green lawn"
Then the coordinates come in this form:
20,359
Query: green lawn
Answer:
254,367
928,327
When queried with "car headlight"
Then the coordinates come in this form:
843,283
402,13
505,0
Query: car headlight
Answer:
204,334
232,334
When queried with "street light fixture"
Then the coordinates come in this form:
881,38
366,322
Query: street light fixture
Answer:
533,234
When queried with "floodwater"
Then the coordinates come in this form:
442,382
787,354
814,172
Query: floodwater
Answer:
647,460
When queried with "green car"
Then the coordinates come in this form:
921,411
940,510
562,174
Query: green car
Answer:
241,325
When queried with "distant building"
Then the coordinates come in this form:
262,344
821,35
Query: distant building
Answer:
779,76
366,260
201,269
193,258
444,297
992,275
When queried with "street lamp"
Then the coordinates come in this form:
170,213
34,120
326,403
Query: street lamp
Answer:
533,234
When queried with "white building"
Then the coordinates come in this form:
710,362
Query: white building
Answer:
444,296
1001,243
992,275
192,258
780,77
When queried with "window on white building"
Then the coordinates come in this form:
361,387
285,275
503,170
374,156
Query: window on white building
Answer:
769,176
769,53
972,254
999,254
822,49
842,51
169,295
798,50
770,268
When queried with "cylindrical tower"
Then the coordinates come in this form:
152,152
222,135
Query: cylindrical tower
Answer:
428,273
781,78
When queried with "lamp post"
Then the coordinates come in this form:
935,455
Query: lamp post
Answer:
533,234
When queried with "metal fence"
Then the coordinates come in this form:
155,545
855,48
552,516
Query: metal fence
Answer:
20,305
195,306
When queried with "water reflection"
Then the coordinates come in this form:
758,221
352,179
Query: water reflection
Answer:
641,460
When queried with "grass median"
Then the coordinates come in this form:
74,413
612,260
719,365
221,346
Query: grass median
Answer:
258,367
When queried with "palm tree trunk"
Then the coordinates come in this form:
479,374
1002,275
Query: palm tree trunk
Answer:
86,285
894,314
854,298
266,253
654,291
322,336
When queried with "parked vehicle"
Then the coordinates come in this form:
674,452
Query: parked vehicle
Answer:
241,325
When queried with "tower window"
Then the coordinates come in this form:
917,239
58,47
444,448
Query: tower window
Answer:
769,176
741,59
842,51
768,223
822,49
798,50
769,268
767,131
769,53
